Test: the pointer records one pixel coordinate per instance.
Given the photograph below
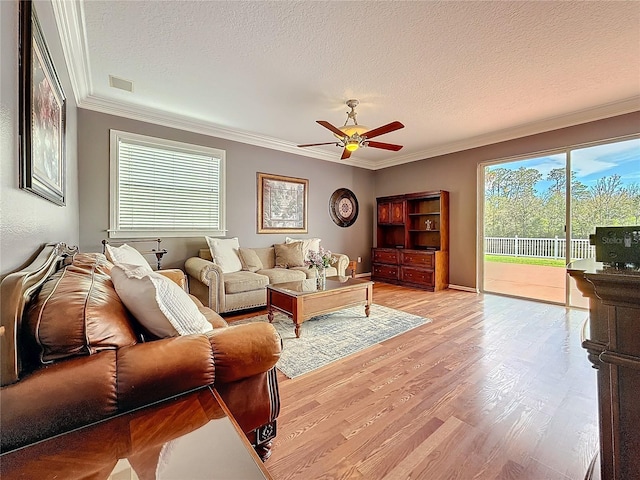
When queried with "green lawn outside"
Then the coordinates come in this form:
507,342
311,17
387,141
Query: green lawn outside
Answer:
548,262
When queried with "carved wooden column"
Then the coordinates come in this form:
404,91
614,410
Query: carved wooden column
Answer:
613,346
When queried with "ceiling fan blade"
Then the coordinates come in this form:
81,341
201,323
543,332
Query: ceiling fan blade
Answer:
315,144
345,154
389,127
385,146
335,130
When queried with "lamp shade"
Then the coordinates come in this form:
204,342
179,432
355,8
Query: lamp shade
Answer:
349,130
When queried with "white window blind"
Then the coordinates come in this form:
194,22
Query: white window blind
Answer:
165,188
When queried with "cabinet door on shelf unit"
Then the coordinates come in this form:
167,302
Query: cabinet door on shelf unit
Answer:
384,212
397,211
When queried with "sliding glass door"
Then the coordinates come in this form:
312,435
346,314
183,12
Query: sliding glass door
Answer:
605,191
524,218
528,234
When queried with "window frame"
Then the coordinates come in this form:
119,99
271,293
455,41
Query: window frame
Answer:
115,231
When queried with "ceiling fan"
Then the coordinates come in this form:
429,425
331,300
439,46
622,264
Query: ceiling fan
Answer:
353,137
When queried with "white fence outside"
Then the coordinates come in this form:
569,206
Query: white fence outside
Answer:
538,247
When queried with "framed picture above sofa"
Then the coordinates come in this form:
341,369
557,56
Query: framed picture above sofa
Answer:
282,204
42,113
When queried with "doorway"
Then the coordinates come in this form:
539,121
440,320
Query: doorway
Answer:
538,213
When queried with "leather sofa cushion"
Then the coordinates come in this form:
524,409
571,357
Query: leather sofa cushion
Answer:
238,282
213,318
282,275
78,312
58,398
164,368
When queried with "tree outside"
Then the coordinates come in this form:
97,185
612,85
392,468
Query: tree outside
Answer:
514,207
526,199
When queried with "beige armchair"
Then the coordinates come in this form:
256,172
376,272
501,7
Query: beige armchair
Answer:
228,292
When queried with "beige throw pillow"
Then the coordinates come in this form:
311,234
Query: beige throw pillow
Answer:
224,252
250,260
126,255
289,255
308,244
159,304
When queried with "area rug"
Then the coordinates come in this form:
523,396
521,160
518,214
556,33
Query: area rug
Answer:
330,337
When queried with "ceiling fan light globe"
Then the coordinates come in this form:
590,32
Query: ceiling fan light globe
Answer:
352,145
350,130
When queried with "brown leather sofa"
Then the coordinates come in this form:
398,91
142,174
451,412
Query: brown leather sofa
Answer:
73,355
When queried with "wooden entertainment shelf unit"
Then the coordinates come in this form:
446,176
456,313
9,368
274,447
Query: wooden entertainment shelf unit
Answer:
412,246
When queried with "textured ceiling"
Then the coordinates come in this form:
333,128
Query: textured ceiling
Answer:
457,74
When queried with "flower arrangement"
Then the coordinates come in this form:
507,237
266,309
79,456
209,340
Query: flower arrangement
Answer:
320,259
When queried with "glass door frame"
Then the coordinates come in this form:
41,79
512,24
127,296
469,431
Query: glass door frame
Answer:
480,201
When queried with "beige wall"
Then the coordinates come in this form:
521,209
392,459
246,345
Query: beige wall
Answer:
243,162
28,222
457,173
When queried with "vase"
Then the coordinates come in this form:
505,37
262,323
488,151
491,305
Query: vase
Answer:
321,278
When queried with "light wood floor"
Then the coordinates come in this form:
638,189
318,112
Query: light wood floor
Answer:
493,388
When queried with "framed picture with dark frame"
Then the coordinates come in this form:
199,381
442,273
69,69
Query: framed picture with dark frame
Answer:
282,204
42,113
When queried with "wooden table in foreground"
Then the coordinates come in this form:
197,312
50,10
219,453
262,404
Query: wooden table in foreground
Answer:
188,437
613,347
303,300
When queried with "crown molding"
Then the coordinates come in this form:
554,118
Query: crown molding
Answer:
167,119
172,120
554,123
70,21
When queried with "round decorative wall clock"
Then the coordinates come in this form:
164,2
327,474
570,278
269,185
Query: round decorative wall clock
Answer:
343,207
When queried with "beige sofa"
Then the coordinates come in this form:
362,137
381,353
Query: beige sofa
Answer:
228,292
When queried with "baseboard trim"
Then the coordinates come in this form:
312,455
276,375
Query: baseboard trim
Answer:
464,289
451,286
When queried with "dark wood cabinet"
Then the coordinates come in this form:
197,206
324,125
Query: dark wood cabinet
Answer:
422,259
385,272
417,276
385,255
384,213
613,347
391,212
397,212
413,240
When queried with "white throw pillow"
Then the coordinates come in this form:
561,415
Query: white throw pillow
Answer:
308,244
126,255
159,304
224,252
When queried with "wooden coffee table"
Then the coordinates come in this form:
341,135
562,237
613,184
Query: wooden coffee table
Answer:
303,300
